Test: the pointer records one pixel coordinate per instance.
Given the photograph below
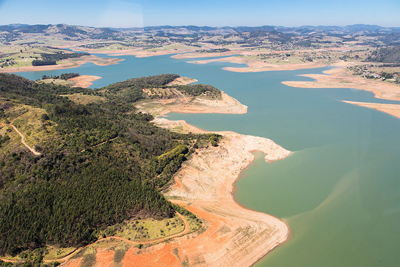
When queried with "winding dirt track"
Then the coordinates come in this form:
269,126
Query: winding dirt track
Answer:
23,141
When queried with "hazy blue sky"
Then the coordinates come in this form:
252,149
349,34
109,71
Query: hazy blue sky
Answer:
134,13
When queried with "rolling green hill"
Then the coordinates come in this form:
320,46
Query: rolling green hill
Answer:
99,163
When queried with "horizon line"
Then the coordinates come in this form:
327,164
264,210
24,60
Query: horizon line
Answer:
189,25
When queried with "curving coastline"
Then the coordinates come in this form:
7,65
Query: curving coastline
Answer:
231,235
340,78
254,65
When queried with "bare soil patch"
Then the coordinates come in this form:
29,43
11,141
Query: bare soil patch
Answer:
84,81
182,81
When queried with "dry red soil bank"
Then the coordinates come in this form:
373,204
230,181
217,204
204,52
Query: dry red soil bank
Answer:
231,235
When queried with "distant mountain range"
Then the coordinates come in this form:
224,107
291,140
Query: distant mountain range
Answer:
307,29
12,31
242,35
75,31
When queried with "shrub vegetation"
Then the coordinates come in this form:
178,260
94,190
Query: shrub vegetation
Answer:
105,164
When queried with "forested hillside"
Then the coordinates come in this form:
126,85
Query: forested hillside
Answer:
51,59
105,163
385,55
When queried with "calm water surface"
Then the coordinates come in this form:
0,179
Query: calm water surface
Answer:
340,189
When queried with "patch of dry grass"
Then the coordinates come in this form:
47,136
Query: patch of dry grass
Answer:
145,229
85,99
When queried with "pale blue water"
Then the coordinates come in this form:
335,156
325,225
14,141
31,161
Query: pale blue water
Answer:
339,191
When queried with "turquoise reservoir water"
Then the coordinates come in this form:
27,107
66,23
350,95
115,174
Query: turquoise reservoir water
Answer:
340,189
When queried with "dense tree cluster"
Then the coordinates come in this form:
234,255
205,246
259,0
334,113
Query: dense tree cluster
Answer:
386,55
105,164
70,31
199,89
217,50
63,76
132,90
43,62
51,59
3,139
142,83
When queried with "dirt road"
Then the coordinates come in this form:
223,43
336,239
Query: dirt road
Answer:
23,139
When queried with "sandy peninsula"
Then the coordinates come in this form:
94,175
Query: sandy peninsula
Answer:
84,81
183,104
66,63
231,235
341,78
255,65
390,109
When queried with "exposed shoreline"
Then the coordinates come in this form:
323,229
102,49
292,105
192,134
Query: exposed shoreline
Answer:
336,78
66,64
225,105
205,184
84,81
340,78
254,65
210,194
231,235
200,55
390,109
133,52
